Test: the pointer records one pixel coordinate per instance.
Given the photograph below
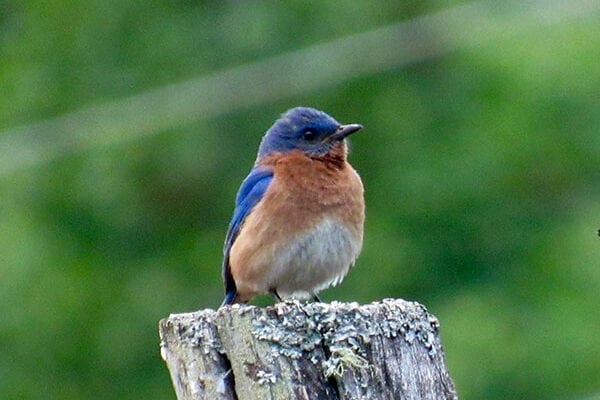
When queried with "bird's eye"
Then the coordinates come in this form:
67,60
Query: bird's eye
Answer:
309,135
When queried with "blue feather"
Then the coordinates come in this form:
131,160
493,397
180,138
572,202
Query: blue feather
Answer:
250,193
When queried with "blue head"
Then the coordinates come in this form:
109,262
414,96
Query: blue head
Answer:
306,129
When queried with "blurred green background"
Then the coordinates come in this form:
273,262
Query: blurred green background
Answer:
480,159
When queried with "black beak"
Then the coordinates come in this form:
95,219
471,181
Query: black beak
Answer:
344,131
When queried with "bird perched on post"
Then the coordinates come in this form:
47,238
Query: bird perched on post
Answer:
297,227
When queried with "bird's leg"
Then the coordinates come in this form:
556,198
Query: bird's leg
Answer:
276,296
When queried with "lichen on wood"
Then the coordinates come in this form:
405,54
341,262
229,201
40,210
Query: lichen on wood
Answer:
292,350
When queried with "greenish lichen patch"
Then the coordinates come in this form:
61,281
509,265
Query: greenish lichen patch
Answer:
197,329
288,329
342,330
411,321
342,358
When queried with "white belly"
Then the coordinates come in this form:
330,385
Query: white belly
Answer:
315,260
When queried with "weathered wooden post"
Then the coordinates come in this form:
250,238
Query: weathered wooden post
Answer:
384,350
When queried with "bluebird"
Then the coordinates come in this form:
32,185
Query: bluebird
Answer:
297,227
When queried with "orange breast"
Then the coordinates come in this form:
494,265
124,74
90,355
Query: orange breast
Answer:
304,191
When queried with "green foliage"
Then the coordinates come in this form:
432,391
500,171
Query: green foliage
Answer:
481,169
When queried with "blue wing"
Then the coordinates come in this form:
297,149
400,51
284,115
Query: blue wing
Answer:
251,191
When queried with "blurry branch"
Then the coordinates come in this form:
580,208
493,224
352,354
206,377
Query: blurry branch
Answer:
283,76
